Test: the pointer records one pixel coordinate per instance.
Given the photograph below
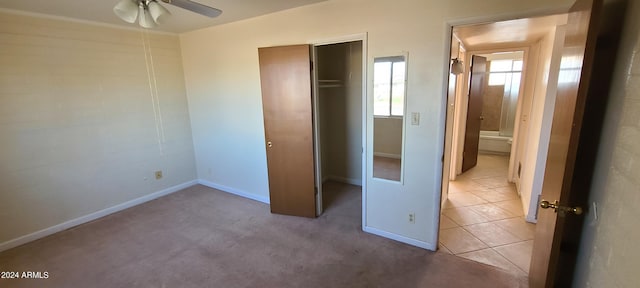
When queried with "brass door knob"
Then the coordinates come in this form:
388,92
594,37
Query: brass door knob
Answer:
269,144
544,204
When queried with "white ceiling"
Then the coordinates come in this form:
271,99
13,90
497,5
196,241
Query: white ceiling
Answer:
180,21
519,32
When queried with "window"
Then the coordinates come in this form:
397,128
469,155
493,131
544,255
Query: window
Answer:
388,86
500,69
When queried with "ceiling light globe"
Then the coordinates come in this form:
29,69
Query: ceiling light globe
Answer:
127,10
158,12
145,19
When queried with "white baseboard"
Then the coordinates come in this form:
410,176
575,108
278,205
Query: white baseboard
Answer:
351,181
90,217
400,238
235,191
387,155
531,218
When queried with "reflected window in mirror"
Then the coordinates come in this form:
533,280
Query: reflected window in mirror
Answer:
388,86
389,89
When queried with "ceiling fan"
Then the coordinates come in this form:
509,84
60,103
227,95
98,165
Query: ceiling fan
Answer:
149,13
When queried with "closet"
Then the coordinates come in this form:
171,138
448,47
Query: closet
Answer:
339,111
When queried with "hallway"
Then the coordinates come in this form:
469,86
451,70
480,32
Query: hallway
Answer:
482,220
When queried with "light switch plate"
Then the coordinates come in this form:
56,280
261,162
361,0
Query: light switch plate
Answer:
415,118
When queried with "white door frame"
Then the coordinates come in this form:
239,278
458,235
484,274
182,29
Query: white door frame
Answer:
448,32
316,127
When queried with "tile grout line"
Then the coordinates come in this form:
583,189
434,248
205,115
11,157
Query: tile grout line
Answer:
484,189
498,253
514,264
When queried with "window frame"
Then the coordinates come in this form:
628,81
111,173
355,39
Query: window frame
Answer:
510,71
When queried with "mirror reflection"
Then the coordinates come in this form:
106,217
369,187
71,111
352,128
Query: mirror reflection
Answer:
389,85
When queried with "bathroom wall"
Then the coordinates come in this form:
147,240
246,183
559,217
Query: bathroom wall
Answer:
491,106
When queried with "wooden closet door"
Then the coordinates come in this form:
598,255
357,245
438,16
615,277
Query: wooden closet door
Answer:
285,75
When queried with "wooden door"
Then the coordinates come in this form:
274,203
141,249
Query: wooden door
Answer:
285,76
474,113
573,84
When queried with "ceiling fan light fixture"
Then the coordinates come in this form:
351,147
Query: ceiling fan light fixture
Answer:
127,10
157,11
150,13
145,19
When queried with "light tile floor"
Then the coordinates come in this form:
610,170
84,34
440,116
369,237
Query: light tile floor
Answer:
482,219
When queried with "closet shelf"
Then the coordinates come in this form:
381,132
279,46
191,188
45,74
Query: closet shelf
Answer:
329,83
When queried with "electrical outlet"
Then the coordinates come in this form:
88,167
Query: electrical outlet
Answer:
158,174
412,218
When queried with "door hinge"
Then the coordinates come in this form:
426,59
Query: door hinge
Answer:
311,65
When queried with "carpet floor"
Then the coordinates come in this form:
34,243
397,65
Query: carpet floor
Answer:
201,237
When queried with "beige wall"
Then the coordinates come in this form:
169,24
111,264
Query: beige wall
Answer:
78,130
540,118
223,86
354,79
522,127
609,250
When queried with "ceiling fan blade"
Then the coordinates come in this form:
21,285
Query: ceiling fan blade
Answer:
195,7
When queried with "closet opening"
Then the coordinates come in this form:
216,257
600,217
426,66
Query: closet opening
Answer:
338,124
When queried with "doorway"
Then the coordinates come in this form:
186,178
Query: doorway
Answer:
488,212
338,121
